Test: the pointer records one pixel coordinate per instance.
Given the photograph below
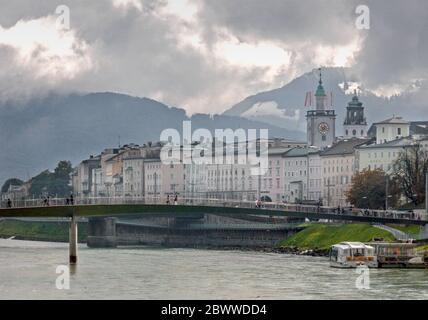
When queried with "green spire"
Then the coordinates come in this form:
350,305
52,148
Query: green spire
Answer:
320,90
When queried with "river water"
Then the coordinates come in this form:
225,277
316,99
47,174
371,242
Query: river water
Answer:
28,271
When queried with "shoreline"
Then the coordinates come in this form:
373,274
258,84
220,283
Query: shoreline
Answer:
277,250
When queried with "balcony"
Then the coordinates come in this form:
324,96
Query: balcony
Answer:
313,113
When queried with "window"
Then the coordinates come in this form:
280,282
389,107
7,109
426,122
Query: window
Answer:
399,131
324,138
354,132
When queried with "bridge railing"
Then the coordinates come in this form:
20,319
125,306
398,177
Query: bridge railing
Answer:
211,202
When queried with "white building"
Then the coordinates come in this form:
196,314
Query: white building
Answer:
82,177
315,176
391,129
97,187
133,176
296,174
338,167
381,156
153,178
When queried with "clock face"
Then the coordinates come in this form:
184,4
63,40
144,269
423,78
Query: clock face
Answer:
323,128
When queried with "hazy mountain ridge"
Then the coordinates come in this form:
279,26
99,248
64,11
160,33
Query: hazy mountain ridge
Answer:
285,106
39,133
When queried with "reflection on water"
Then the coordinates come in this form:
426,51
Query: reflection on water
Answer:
27,271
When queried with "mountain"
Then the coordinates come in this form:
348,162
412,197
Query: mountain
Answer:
40,132
285,107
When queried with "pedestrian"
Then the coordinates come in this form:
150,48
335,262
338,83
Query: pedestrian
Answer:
167,200
67,202
9,203
71,199
176,200
47,201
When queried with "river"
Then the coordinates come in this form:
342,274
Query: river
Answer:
28,271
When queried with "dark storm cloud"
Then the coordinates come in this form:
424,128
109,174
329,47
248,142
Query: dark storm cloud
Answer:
396,47
291,22
141,52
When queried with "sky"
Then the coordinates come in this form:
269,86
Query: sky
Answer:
205,55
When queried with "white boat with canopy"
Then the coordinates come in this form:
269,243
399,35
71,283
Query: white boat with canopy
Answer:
352,255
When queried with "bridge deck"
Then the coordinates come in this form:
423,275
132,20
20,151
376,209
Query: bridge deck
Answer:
190,207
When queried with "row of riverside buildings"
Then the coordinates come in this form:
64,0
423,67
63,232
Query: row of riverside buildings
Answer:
320,169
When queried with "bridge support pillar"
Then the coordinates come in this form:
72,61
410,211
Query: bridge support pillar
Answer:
73,240
102,233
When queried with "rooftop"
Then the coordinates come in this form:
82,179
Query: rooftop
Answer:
419,127
346,146
393,120
300,152
401,142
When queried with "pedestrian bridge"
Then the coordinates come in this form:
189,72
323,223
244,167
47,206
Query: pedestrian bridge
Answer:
131,207
121,207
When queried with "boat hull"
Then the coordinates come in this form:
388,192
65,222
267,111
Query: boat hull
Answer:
353,264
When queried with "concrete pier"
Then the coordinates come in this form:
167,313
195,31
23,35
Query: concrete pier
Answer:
73,240
101,233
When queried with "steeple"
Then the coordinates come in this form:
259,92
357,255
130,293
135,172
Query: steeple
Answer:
320,96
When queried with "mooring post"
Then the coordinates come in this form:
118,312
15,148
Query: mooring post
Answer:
73,240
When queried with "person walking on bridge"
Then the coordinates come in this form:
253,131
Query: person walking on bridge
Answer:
9,203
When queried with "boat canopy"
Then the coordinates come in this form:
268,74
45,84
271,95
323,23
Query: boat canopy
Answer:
353,245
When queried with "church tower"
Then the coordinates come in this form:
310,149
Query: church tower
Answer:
321,122
355,124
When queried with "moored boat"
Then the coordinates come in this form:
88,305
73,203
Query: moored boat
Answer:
352,255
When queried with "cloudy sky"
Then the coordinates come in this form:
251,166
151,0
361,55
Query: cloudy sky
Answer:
204,55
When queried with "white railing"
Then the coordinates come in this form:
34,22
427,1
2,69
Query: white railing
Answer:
210,202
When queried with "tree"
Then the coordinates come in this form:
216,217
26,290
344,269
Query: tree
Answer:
56,183
63,170
368,190
410,170
9,182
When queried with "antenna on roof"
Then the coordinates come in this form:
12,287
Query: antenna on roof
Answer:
119,140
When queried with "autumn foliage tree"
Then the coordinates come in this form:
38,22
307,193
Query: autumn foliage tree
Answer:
410,170
368,190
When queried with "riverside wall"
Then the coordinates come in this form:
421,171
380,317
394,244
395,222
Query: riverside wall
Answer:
107,233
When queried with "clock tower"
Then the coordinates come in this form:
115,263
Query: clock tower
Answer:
321,122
